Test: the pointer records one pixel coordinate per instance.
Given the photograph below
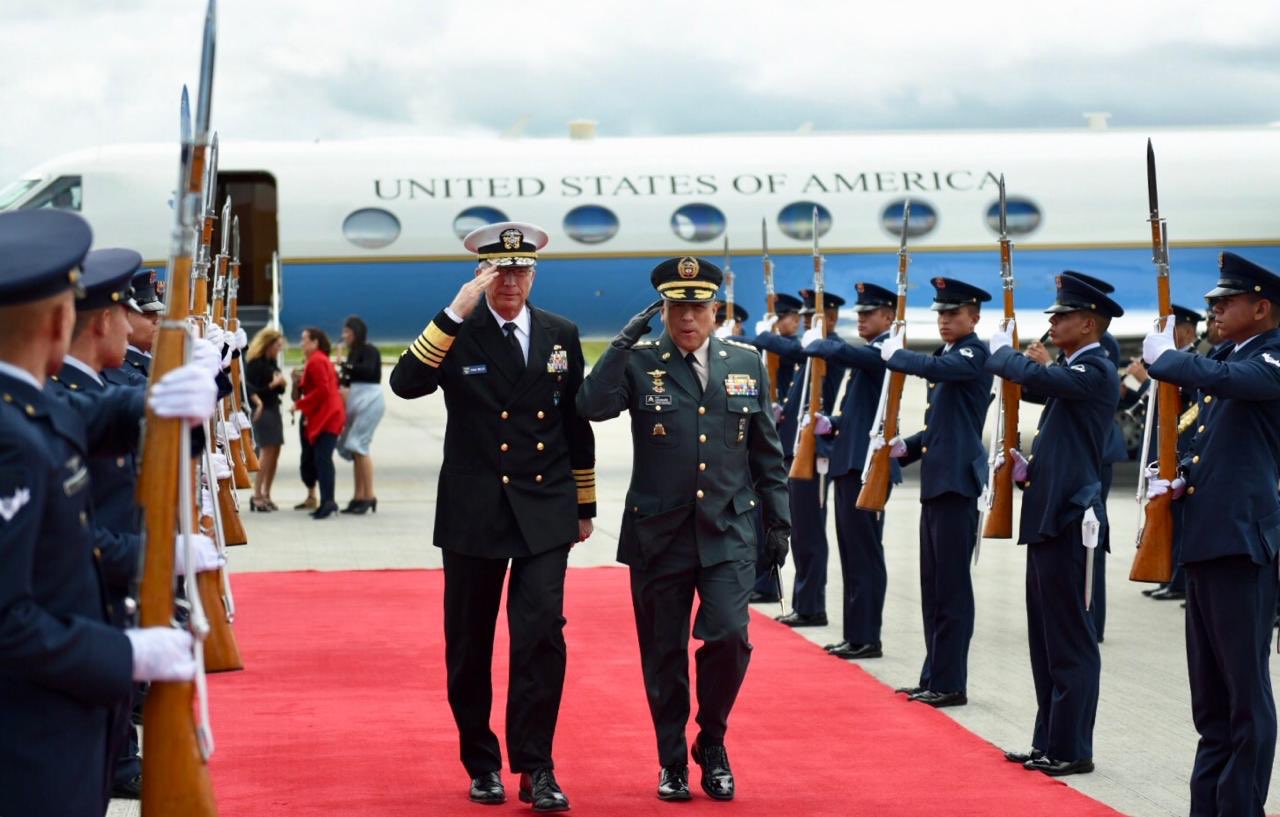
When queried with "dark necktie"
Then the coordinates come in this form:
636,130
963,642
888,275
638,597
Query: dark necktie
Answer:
517,354
692,360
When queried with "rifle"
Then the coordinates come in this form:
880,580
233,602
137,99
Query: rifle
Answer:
877,470
804,466
998,496
239,393
728,288
175,747
1154,560
771,359
226,495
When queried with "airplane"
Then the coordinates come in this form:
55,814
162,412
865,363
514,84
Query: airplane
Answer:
374,227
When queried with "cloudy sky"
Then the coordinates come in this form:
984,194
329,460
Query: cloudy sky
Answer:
75,73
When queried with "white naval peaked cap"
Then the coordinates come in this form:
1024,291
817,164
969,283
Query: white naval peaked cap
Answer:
507,243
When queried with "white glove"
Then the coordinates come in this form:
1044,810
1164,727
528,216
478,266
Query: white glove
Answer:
725,330
242,422
891,344
822,426
221,468
1160,487
206,502
897,448
214,334
162,654
241,339
777,413
876,444
1002,337
205,553
205,355
765,326
187,392
1157,343
811,335
1020,465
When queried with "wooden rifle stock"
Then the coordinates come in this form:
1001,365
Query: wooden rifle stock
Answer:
772,360
875,484
221,651
251,463
232,528
999,520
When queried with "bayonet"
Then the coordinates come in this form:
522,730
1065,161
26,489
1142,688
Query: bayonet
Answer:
768,264
226,220
204,100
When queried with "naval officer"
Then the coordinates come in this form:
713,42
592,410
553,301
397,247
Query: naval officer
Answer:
859,533
1062,517
517,487
66,671
1231,535
706,457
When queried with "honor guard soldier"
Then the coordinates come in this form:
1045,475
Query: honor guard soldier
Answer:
706,457
808,497
953,469
1231,534
859,533
66,672
517,486
144,320
740,316
1062,513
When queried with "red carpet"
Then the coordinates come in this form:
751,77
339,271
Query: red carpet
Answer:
342,710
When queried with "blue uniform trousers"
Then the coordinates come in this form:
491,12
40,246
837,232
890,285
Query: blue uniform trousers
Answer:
860,537
1231,602
948,532
1099,608
1065,661
809,544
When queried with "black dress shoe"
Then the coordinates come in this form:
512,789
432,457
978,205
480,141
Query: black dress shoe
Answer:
908,691
130,789
1168,594
757,597
717,778
487,788
1156,589
938,700
839,645
540,788
855,651
673,783
794,619
1061,768
1023,757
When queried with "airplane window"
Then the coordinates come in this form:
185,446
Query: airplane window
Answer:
474,218
63,193
15,190
591,224
698,222
1023,216
796,220
371,228
923,218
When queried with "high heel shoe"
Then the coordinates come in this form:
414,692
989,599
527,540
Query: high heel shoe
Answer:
355,506
372,502
256,504
325,511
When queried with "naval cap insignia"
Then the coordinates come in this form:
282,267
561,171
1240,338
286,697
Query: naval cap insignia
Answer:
861,287
1057,281
512,239
1221,259
688,268
940,283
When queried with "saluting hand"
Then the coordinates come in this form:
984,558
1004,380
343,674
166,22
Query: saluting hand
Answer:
469,295
637,327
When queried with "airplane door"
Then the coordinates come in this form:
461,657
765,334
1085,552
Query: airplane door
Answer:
254,202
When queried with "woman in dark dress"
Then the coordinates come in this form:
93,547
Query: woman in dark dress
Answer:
361,376
266,383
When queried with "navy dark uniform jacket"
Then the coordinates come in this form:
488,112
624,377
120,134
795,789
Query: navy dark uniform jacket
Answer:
1237,432
852,425
793,407
706,458
959,392
518,470
1064,476
788,348
64,670
135,370
1114,450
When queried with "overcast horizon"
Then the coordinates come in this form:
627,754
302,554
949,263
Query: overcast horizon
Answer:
80,73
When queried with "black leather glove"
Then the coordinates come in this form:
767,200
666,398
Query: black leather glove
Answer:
776,546
637,327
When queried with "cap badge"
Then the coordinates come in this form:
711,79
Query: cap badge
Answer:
861,288
160,285
1221,259
512,239
940,283
688,268
1057,281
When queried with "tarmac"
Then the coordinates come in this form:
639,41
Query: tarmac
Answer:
1144,742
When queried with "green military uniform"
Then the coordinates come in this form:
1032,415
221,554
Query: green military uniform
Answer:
705,459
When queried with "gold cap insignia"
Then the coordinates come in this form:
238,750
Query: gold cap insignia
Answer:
1221,258
688,268
1057,281
512,239
940,283
861,287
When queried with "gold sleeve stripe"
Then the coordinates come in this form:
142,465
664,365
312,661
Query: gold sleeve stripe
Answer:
587,496
431,346
586,481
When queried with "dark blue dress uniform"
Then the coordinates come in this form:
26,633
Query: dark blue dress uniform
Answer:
809,497
953,473
704,460
65,671
859,534
518,473
1064,480
1231,536
147,297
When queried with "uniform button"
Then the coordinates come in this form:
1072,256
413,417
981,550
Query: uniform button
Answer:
97,554
541,446
753,503
702,409
699,493
1191,490
1026,485
1208,398
120,462
8,398
1195,459
504,415
635,509
657,408
538,478
541,415
505,479
84,519
702,438
745,409
31,409
931,385
924,428
837,432
702,466
503,447
924,449
1200,430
